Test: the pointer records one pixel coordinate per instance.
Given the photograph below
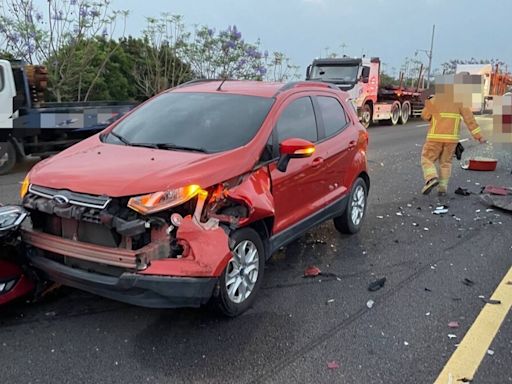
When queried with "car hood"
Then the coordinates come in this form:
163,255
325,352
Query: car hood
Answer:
98,168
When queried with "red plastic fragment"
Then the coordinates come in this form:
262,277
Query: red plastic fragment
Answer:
312,271
333,365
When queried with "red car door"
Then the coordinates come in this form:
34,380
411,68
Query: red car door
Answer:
297,192
338,147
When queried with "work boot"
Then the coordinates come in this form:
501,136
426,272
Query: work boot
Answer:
430,185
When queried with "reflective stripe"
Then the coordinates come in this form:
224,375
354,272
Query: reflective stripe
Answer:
477,130
450,115
442,136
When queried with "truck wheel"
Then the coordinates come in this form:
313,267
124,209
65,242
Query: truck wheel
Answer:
406,113
351,221
243,275
395,113
7,157
366,115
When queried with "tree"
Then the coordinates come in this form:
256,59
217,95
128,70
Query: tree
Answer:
280,68
159,63
224,55
62,37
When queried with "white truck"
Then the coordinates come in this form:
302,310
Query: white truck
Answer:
360,77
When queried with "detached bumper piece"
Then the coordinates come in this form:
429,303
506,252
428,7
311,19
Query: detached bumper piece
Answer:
132,288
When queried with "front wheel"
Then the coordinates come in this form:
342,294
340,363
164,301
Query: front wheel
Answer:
366,115
243,275
351,221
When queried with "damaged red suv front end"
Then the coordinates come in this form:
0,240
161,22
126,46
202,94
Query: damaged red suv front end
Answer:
176,204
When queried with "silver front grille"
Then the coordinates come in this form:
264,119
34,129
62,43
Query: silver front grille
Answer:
73,198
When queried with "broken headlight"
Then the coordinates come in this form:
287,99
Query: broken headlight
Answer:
7,286
11,217
160,201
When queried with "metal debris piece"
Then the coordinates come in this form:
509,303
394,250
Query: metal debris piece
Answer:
377,284
491,301
440,210
452,336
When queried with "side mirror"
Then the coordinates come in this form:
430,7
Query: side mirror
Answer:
308,72
293,149
365,75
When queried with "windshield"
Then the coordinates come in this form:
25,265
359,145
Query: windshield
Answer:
340,74
207,122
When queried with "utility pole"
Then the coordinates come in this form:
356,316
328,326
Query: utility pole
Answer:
430,56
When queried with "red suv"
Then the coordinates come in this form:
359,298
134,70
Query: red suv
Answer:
181,201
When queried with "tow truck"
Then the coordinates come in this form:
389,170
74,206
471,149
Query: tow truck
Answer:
31,126
360,77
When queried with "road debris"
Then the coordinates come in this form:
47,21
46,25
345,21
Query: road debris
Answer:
497,190
440,210
406,343
490,352
480,164
465,380
453,324
312,271
370,304
452,336
462,192
332,365
428,289
491,301
330,301
377,284
468,282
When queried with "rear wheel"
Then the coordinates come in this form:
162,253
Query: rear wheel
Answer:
351,221
406,113
366,115
243,275
395,113
7,157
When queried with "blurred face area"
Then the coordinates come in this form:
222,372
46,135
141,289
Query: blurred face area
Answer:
463,89
502,119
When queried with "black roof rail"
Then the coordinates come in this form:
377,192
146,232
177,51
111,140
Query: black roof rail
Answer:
198,81
293,84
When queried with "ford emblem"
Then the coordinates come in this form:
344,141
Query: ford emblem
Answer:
60,200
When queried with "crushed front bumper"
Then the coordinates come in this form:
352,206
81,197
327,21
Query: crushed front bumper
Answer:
132,288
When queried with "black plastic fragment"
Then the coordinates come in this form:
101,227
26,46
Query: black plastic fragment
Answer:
377,284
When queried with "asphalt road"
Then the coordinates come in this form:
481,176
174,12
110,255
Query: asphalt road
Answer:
297,325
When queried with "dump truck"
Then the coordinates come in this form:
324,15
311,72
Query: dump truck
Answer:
360,77
31,126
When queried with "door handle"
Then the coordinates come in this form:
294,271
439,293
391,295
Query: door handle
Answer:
318,161
352,144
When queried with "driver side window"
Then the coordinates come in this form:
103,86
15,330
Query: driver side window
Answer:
298,121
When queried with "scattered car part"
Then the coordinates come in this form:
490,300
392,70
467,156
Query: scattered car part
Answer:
376,285
480,164
462,192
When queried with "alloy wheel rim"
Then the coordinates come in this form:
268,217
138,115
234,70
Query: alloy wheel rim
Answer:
242,271
358,204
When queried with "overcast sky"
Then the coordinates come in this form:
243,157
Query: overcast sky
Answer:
390,29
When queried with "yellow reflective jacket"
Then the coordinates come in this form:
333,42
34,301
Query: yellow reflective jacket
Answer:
445,117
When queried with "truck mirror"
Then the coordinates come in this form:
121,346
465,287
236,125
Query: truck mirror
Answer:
308,72
365,75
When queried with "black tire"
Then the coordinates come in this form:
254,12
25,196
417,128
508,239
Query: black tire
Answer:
222,299
396,112
406,113
346,223
366,115
7,157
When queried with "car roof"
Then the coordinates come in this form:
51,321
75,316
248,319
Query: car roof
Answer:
252,88
242,87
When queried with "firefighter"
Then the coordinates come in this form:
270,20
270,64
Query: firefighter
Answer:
444,111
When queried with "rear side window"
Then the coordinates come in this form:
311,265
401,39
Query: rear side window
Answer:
298,121
333,115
